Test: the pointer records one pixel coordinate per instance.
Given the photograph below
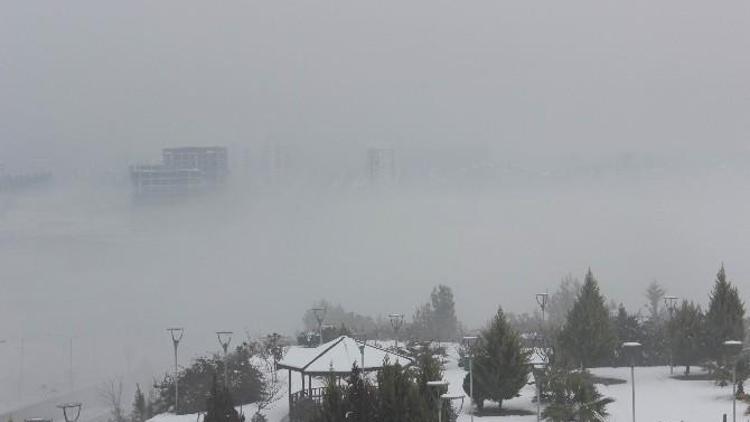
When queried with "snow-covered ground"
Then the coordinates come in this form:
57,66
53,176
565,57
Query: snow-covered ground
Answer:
659,398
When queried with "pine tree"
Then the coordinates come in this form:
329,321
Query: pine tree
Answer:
500,363
686,334
588,338
139,406
627,328
724,319
444,313
654,295
573,397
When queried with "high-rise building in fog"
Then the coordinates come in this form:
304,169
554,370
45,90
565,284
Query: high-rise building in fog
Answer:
381,165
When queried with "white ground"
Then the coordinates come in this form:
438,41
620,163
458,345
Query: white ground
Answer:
658,398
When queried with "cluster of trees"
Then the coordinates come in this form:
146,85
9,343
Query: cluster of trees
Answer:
591,333
435,320
401,395
684,335
251,372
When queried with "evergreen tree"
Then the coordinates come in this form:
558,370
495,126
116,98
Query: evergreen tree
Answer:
139,406
444,313
333,407
500,363
654,295
686,334
724,319
220,406
588,338
573,397
627,328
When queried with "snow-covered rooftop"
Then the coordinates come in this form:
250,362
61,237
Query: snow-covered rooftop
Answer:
339,356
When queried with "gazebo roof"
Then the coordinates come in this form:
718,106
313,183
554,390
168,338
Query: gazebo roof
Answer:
338,356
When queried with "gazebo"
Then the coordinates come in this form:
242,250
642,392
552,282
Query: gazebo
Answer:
337,357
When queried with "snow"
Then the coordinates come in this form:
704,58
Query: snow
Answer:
338,355
659,398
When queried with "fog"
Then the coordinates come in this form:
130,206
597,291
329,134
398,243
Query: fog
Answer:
532,140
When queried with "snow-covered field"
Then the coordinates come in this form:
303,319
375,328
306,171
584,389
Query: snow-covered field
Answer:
659,398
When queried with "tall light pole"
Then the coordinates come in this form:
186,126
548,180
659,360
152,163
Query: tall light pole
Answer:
633,347
176,334
733,347
75,411
397,321
470,342
320,316
538,381
670,302
542,299
439,386
225,337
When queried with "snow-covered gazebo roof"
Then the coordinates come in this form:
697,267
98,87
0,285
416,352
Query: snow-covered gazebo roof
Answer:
338,356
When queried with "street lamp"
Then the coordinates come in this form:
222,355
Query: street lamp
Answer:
320,316
538,381
225,337
470,342
176,334
439,386
75,411
670,302
542,299
633,347
733,347
397,321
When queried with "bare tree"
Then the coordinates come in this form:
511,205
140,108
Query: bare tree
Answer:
271,387
110,393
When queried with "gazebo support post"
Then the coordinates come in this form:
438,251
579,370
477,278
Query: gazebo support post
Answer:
303,382
291,416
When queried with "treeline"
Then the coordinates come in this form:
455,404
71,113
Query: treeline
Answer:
435,320
585,331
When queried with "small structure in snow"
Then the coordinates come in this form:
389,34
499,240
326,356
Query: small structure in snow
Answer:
337,357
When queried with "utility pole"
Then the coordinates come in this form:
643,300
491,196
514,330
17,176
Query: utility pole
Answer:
225,337
20,373
320,316
70,364
397,321
670,302
176,334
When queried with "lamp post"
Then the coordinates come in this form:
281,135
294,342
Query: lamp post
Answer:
225,337
542,299
470,342
537,380
633,348
176,334
733,347
439,386
670,302
397,321
362,344
75,411
320,316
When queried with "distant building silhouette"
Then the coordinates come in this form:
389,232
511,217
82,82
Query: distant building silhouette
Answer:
381,165
182,171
